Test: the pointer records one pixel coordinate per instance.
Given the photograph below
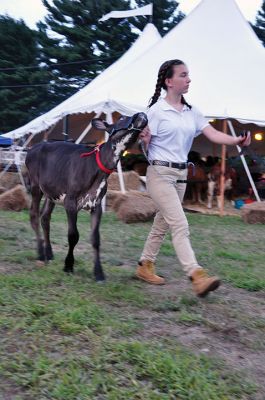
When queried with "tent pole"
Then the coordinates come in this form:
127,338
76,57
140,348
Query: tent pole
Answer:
222,177
65,127
27,141
244,163
122,186
47,133
83,134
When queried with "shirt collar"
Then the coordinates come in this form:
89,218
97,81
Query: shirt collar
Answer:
166,106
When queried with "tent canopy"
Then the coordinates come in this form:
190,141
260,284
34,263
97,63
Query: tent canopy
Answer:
226,62
225,58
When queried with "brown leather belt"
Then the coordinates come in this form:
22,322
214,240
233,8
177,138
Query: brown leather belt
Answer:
170,164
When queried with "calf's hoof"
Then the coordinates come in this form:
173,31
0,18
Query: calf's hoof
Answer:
100,278
101,282
49,255
68,270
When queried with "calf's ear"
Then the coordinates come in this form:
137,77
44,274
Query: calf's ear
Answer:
100,124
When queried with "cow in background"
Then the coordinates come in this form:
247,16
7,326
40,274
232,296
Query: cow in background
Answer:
214,179
197,178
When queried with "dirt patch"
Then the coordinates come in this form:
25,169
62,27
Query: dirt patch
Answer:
9,269
219,330
201,208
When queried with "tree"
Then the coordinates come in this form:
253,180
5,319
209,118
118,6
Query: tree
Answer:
81,47
23,85
78,44
259,26
165,15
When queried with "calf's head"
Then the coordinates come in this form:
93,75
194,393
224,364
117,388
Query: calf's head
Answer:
124,132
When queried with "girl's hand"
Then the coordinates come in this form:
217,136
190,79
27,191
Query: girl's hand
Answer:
145,135
244,140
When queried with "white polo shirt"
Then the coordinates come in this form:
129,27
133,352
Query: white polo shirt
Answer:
173,131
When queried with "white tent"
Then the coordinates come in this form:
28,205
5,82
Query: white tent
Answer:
225,58
226,62
147,39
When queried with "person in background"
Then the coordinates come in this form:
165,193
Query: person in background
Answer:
172,126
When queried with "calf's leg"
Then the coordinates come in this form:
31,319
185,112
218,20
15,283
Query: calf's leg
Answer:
73,234
35,220
45,222
95,241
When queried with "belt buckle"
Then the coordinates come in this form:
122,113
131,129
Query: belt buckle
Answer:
170,164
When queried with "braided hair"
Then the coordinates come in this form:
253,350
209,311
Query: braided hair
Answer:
165,71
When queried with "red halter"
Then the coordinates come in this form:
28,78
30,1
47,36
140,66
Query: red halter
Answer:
100,165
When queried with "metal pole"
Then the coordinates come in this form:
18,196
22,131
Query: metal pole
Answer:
6,169
47,133
83,134
151,15
222,177
244,162
120,174
27,141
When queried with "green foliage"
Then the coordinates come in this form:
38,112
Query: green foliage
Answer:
259,26
69,49
165,15
18,51
159,373
73,34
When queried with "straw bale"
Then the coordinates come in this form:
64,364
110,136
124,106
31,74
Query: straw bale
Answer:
15,199
131,181
9,180
134,206
112,197
254,213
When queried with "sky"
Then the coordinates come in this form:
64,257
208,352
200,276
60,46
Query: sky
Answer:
32,11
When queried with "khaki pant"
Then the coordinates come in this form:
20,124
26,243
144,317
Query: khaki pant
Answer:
168,195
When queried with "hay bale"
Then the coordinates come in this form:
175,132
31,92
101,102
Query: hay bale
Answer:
111,198
254,213
131,181
9,180
15,199
134,206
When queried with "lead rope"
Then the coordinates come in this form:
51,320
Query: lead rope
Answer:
98,160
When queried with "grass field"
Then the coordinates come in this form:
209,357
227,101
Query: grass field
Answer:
69,338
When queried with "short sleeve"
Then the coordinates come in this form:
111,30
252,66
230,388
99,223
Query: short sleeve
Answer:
153,120
200,121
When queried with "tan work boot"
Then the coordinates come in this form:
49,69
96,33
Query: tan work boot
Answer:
202,283
146,272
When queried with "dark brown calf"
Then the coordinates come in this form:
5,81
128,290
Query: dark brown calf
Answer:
59,173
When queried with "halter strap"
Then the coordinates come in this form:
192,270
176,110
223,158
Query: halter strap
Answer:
98,160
